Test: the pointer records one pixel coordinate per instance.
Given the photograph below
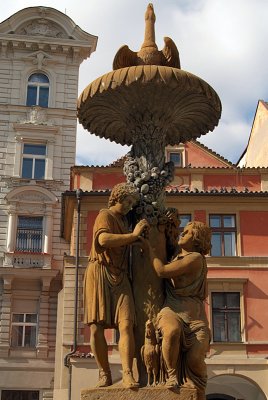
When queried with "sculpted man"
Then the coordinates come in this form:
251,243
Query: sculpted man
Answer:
182,320
108,300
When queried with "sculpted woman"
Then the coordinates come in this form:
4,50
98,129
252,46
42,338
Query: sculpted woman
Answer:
108,300
182,320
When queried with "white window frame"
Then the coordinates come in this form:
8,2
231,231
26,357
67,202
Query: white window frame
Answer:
24,324
34,157
179,149
31,136
30,201
38,85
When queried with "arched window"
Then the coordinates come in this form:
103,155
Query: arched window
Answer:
38,90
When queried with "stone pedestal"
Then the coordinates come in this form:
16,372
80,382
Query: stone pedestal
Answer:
158,393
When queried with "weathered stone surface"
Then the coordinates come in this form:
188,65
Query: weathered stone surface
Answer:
179,103
157,393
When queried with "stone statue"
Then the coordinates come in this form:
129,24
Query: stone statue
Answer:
182,320
148,102
149,53
150,353
108,300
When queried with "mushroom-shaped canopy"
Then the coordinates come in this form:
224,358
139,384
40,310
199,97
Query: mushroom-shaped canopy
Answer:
181,105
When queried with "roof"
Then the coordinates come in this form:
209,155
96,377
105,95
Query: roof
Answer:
179,191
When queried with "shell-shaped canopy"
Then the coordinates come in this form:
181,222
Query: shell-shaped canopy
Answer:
118,103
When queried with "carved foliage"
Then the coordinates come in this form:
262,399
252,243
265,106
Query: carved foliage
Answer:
42,27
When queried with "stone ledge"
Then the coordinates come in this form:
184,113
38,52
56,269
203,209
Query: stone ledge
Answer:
157,393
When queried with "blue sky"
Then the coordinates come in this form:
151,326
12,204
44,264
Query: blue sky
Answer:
222,41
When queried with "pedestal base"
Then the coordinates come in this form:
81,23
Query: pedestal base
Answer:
157,393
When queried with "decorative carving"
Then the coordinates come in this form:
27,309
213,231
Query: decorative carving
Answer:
36,116
29,196
148,54
39,58
150,353
33,210
181,105
150,181
42,27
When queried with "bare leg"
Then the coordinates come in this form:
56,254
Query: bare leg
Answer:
100,351
126,349
171,332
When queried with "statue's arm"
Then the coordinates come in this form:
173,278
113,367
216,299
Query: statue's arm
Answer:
109,240
187,264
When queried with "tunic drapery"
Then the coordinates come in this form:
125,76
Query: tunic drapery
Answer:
107,292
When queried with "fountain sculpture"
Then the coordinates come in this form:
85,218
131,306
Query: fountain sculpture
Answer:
149,102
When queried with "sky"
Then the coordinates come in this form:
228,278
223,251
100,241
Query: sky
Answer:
223,42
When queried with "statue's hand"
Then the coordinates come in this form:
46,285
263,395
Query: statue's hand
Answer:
173,216
142,228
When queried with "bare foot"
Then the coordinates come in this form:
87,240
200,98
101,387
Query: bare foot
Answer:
172,382
105,379
128,380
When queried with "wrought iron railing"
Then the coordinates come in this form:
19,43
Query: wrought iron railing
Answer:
29,240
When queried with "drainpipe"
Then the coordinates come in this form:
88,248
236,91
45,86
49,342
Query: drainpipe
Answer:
68,356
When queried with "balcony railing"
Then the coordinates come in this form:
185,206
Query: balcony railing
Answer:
26,260
29,240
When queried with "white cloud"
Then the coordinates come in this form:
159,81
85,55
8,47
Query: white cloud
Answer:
223,42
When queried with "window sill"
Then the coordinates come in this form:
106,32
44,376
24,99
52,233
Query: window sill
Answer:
23,352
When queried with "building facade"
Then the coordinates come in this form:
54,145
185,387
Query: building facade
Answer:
233,201
41,50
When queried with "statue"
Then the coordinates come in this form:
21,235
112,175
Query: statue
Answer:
150,353
108,300
182,321
149,102
149,53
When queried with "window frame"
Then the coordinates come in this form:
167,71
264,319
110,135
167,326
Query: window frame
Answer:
33,157
226,311
223,230
228,285
24,324
181,227
15,391
38,85
28,239
179,149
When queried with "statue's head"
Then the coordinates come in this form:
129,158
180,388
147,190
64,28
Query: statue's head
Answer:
120,192
201,235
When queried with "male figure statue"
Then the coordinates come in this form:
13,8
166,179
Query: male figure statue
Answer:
108,300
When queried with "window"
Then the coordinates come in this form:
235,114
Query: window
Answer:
223,235
226,320
185,219
23,330
38,90
19,395
176,157
29,234
33,161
